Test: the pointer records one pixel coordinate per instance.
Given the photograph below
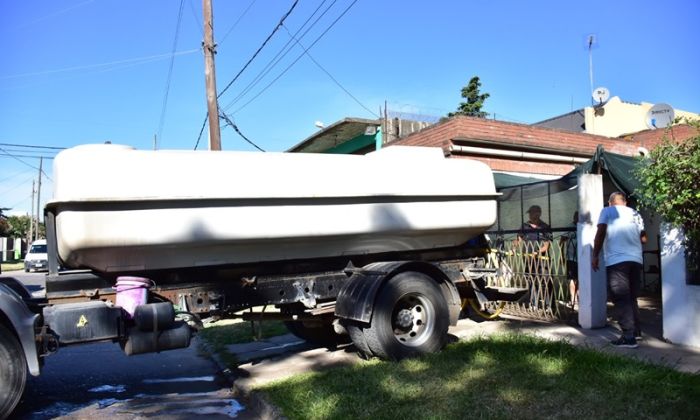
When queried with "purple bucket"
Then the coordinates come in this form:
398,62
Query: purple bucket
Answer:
131,292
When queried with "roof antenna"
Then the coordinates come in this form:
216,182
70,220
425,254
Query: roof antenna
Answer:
591,41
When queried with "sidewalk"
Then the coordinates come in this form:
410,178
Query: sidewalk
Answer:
284,356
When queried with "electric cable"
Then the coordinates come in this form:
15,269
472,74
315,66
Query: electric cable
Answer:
280,54
298,58
201,131
235,127
137,60
306,51
281,22
196,18
236,22
33,146
20,160
164,107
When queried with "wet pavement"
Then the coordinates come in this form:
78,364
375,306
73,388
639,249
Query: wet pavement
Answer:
99,381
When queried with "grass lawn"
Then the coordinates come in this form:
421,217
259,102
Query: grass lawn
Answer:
503,376
223,333
12,265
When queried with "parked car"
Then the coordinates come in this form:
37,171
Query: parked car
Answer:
37,258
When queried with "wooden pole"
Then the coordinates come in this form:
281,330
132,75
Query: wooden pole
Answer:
38,200
30,238
210,76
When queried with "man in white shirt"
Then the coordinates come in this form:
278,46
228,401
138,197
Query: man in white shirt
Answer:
621,235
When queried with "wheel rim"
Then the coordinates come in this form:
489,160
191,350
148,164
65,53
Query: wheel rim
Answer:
412,319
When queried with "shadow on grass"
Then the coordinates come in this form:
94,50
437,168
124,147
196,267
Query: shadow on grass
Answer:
501,376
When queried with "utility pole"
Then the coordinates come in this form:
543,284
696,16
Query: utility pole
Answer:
210,76
31,219
38,200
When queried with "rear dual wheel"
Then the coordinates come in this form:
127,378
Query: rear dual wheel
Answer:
410,318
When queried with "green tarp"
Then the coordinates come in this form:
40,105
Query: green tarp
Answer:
618,168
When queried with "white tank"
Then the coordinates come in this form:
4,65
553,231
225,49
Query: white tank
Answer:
119,209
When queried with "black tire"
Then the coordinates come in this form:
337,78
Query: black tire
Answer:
357,335
13,372
410,318
317,333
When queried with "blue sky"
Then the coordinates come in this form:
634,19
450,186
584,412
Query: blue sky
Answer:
81,71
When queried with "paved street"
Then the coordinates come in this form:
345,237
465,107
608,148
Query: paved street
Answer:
99,380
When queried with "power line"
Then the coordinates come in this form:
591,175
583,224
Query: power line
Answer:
21,184
170,73
306,51
29,197
196,18
298,57
235,127
91,66
201,131
280,54
33,146
236,22
20,160
14,175
280,24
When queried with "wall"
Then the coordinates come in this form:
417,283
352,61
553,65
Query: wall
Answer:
620,118
681,301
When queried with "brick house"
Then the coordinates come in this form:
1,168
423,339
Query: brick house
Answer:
529,150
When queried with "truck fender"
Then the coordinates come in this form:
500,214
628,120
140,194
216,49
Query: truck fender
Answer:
18,318
355,300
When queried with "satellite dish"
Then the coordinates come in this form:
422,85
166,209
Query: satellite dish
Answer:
660,116
601,94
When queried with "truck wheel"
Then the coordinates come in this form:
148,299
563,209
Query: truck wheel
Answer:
13,372
317,333
410,318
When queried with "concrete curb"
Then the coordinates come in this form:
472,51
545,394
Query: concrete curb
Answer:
256,401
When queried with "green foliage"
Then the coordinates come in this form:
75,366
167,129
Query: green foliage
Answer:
4,226
18,227
475,100
670,187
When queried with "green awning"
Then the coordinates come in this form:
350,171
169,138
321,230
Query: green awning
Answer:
618,168
508,180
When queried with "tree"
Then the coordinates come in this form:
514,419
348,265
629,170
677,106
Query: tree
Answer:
670,187
475,100
4,227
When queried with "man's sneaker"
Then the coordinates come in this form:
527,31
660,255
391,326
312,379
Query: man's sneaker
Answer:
630,343
638,336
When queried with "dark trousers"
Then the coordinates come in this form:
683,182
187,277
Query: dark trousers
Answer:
623,288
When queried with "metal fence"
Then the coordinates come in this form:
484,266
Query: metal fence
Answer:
547,275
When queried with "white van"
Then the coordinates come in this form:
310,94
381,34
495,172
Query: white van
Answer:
37,259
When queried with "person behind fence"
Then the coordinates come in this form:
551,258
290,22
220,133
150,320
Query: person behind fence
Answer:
620,235
535,237
568,243
535,230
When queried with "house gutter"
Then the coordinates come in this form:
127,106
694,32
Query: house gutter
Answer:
543,157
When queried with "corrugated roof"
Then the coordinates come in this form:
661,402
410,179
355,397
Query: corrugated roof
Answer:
334,135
